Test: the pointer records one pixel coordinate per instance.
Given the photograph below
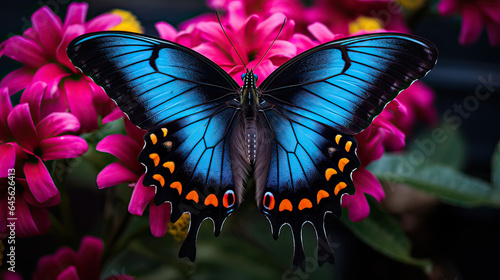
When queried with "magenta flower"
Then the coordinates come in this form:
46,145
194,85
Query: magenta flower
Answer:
68,264
475,14
128,170
42,50
251,35
337,15
27,140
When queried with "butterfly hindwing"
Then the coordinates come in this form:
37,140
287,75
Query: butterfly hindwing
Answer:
186,102
313,105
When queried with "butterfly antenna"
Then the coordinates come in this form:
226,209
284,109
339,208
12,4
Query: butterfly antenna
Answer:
275,39
223,30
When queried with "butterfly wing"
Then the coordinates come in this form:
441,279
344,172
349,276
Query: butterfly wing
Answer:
186,102
313,104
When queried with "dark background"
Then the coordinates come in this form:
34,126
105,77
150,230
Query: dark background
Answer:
464,243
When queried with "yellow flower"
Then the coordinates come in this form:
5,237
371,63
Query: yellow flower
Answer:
180,228
364,23
129,22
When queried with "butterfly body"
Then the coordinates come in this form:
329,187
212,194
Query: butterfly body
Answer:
294,134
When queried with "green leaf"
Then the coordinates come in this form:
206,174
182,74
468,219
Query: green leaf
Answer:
443,145
383,233
495,168
442,181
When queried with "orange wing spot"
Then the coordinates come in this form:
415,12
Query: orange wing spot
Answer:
348,146
165,131
155,157
160,179
339,187
342,163
211,199
285,205
177,186
193,195
305,203
322,194
329,172
170,165
337,138
153,138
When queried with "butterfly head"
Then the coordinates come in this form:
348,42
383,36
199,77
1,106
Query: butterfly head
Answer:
249,91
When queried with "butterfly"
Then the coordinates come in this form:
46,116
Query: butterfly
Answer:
294,135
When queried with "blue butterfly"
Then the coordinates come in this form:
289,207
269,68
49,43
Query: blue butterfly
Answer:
293,135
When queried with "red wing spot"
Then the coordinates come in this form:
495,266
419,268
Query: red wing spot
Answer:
268,201
228,199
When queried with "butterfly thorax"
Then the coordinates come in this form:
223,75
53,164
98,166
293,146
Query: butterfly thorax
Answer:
249,103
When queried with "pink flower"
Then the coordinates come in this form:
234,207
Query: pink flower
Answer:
42,50
27,140
251,35
337,15
85,264
475,14
128,170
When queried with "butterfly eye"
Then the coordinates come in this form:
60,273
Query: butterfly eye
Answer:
268,201
228,200
256,77
243,76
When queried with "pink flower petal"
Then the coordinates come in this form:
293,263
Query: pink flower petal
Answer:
70,33
47,268
5,109
270,27
22,127
24,50
49,28
8,156
115,114
158,218
357,204
33,96
51,74
114,174
447,7
68,273
490,9
166,31
321,32
103,22
472,24
141,197
31,221
56,124
493,29
282,49
122,147
68,146
80,103
76,14
134,132
18,79
99,94
65,257
30,199
39,181
88,258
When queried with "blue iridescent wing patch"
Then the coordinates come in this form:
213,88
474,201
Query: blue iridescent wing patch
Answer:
312,105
